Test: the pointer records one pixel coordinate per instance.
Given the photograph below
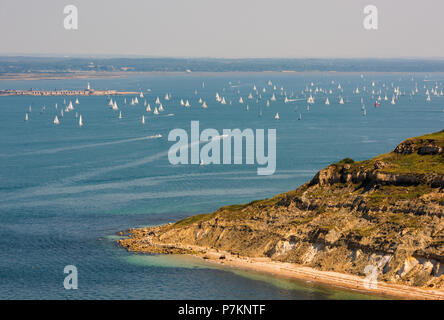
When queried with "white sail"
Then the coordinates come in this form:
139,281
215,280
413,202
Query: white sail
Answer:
341,100
77,101
187,104
26,117
141,94
273,97
120,115
157,100
268,103
277,116
241,100
204,105
143,119
161,109
56,120
156,111
327,102
223,101
167,97
80,121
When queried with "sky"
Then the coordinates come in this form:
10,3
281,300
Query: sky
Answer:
224,28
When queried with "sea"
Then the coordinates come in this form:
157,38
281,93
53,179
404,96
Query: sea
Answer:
67,191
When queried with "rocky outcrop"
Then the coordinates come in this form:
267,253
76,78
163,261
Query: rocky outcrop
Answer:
384,214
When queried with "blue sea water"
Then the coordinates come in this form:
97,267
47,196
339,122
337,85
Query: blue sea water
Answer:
66,191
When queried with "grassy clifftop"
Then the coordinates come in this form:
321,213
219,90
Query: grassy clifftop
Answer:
387,211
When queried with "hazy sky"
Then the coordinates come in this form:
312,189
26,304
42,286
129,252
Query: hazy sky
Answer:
224,28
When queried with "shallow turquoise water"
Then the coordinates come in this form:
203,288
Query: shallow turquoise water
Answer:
65,191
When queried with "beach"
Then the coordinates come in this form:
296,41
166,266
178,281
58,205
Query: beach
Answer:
294,271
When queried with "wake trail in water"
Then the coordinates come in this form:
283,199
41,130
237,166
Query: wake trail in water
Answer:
84,146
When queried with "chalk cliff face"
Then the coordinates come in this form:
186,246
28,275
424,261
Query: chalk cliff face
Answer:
387,212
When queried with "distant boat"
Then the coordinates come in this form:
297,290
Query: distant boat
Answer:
143,119
30,109
300,116
241,100
223,101
310,99
268,103
187,104
277,116
80,121
204,105
120,115
161,109
56,120
26,117
327,102
141,94
273,97
167,97
341,100
148,108
181,102
77,101
156,111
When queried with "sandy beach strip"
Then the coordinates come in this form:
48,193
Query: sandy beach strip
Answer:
299,272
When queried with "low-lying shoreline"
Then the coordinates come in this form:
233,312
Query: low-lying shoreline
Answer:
299,272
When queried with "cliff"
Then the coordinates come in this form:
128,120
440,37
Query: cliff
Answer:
387,212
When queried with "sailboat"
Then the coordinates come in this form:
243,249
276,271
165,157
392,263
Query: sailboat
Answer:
161,109
167,97
277,116
77,101
80,121
56,120
181,102
310,99
148,108
155,110
143,119
341,100
26,117
157,100
327,102
204,105
241,100
30,109
223,101
268,103
300,116
141,94
273,97
115,107
120,115
187,104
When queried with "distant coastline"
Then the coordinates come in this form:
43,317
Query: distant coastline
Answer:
62,92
